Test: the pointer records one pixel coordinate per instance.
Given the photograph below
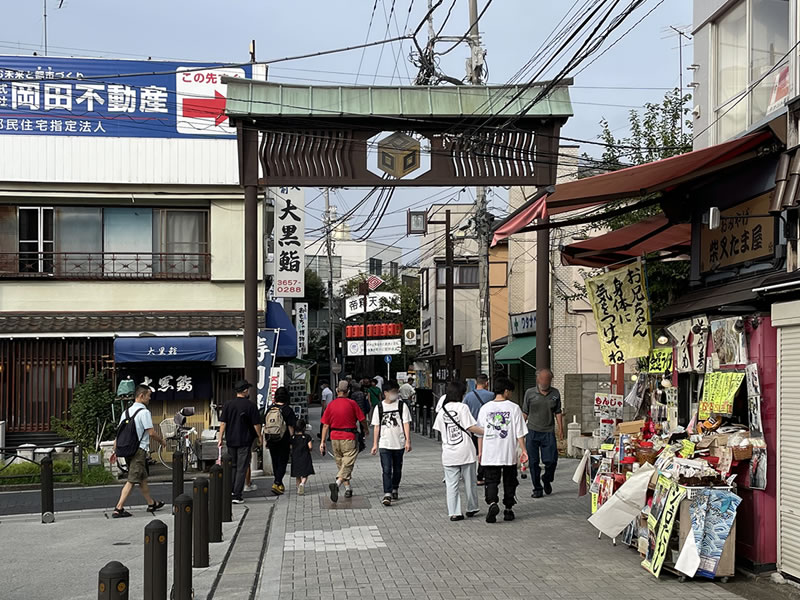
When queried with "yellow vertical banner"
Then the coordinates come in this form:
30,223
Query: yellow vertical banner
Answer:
621,311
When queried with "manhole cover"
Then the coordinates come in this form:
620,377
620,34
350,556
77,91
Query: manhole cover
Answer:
344,503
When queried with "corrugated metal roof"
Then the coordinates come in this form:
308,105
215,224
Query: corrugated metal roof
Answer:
265,99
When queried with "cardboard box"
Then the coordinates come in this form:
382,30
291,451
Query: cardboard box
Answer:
630,427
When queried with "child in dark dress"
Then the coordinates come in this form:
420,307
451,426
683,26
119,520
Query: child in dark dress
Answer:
302,466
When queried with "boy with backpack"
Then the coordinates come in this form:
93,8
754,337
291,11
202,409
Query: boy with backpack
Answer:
391,419
279,425
133,444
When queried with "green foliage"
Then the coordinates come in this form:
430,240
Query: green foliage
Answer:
316,296
97,476
25,472
89,411
654,135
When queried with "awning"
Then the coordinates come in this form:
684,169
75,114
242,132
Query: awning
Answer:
287,340
517,352
641,180
649,235
163,349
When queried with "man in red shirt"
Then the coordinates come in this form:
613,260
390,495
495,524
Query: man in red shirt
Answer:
341,418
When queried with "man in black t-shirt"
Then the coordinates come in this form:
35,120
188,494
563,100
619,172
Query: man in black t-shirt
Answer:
240,424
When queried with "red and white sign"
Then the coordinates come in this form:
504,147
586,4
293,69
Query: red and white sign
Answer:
780,89
200,96
610,404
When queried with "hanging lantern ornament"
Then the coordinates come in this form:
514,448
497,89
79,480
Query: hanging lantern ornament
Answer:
666,382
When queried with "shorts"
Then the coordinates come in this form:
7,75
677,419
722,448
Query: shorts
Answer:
137,467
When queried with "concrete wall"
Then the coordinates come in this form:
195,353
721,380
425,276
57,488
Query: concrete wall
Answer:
226,240
578,398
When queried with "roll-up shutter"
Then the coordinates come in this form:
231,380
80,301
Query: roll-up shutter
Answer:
789,452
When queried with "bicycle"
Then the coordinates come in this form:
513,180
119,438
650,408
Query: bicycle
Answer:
178,437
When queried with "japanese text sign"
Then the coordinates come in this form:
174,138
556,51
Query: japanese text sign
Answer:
619,304
266,342
523,323
740,237
385,347
382,301
659,361
301,326
290,248
43,95
610,404
719,390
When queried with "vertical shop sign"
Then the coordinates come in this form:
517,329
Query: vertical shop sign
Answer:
289,239
301,325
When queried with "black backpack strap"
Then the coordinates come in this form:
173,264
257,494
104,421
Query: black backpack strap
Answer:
477,395
453,420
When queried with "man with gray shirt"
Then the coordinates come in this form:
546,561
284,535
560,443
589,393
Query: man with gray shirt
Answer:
542,409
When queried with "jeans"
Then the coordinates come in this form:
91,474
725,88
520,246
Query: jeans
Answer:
452,476
279,452
392,467
542,443
240,460
493,475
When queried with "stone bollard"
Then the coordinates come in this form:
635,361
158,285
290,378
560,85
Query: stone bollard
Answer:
216,494
155,560
182,561
46,478
113,582
177,474
573,431
227,489
200,522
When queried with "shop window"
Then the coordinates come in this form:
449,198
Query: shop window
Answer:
376,266
79,240
751,41
181,241
35,239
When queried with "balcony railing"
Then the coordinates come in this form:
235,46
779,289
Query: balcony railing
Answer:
105,265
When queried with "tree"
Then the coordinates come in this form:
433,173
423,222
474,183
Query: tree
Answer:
89,418
316,296
654,135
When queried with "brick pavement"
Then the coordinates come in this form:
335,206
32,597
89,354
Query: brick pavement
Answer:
412,550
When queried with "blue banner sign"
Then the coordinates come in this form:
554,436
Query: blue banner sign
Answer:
160,349
42,95
267,341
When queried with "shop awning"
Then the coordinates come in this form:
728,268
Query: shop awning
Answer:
641,180
287,340
517,352
649,235
164,349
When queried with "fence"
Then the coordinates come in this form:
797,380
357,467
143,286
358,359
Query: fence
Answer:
67,454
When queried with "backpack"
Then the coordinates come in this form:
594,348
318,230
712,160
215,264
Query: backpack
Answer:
127,438
401,404
274,425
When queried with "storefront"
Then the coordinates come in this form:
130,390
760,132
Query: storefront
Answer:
519,359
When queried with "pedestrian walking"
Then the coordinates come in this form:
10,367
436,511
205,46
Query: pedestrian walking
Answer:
503,429
475,400
392,422
541,408
408,393
341,419
279,427
360,398
302,465
326,395
457,426
374,392
133,443
240,424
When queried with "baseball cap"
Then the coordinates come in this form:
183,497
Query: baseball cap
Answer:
343,386
242,385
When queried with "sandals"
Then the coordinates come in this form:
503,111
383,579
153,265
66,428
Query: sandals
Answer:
152,508
120,513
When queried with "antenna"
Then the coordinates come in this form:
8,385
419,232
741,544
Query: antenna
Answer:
681,34
44,21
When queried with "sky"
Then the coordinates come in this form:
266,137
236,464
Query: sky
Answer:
640,68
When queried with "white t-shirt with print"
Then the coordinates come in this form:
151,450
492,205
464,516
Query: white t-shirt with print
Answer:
502,424
440,403
393,436
144,421
457,446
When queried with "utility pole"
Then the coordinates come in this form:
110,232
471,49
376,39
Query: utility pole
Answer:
475,77
329,250
44,21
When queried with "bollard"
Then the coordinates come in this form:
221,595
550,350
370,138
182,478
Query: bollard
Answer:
46,477
227,489
113,582
432,431
216,494
155,560
427,421
200,521
182,561
177,474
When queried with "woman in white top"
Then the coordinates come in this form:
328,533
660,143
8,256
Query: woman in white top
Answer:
455,423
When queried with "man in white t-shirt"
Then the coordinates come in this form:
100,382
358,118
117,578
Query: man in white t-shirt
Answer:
504,431
456,425
407,391
392,421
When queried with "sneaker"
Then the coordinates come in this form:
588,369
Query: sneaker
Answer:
276,489
120,513
348,492
508,515
152,508
548,489
395,495
472,513
494,510
334,492
301,490
281,487
387,500
457,518
237,501
250,488
537,494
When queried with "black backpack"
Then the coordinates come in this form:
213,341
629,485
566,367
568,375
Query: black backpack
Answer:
127,437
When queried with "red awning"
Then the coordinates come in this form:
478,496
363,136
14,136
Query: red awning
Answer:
658,176
653,234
